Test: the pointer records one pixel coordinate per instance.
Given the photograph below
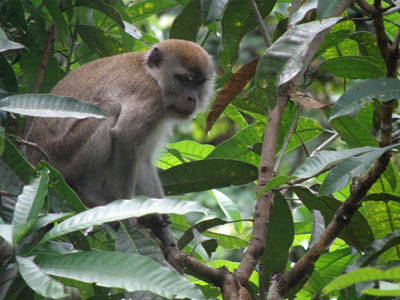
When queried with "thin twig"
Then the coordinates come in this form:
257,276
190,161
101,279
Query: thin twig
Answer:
7,194
71,51
395,44
35,146
324,144
287,139
261,24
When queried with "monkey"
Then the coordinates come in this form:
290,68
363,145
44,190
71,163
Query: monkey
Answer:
144,95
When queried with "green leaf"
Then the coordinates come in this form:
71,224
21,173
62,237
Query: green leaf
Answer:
104,8
357,233
229,208
332,264
325,8
332,39
9,45
206,174
130,272
366,43
237,21
146,8
60,187
361,275
279,236
6,233
28,206
131,240
383,89
38,281
40,105
353,133
7,75
235,116
275,182
299,14
58,19
285,58
386,289
101,42
340,176
211,10
237,147
377,247
119,210
187,24
354,67
315,164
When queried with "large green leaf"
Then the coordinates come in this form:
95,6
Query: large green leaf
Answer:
279,236
206,174
361,275
104,8
357,233
377,247
238,20
383,89
100,41
58,19
319,162
9,45
29,204
41,105
187,24
143,9
60,187
238,146
38,281
285,58
340,176
7,75
332,39
211,10
299,14
367,44
127,271
131,240
354,67
229,208
122,209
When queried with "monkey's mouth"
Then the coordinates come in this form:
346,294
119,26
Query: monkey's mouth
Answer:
182,113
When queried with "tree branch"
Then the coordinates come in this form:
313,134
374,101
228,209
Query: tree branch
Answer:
261,24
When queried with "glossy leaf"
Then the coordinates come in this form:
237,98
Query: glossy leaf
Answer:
40,105
361,275
357,233
104,8
38,281
383,89
187,24
237,147
325,8
100,41
285,58
9,45
211,10
127,271
206,174
146,8
340,176
279,236
119,210
354,67
29,204
237,21
299,14
319,162
229,208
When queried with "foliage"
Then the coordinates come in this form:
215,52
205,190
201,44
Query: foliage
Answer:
49,240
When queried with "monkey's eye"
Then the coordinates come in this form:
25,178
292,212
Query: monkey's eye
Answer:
199,80
182,78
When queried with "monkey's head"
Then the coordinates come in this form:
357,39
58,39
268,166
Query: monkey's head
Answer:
185,73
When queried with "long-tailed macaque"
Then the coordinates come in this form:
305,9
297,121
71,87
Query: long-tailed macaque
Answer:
144,94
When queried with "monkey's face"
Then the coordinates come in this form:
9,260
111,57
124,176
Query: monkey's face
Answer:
184,72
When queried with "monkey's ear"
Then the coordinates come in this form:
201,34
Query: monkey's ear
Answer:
155,57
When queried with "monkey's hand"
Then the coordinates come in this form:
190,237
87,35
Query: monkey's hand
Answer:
159,226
